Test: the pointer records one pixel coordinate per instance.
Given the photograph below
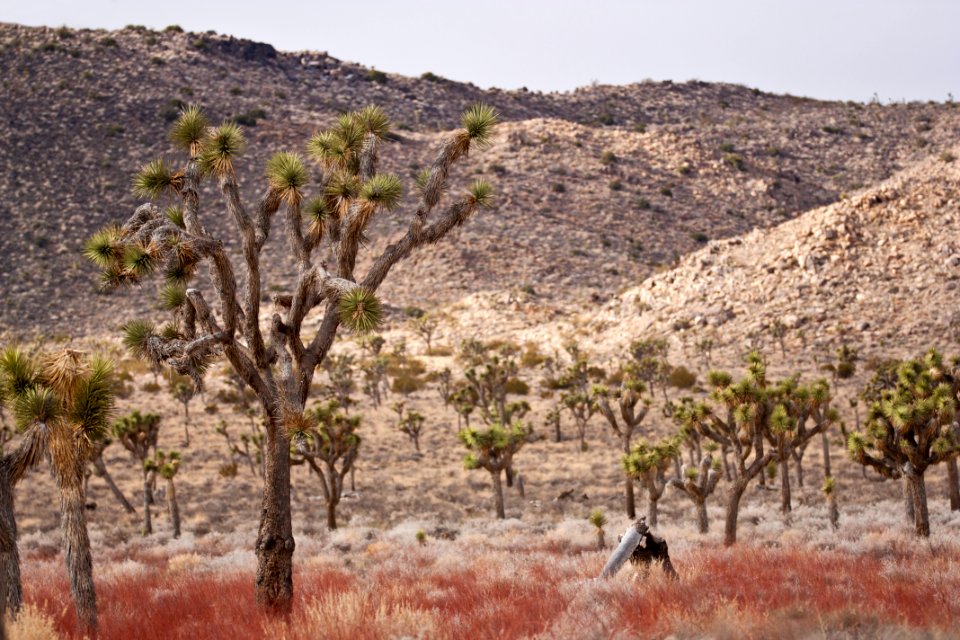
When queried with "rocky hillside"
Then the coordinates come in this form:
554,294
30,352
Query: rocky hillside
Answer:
598,188
878,271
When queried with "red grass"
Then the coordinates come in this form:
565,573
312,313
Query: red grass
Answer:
744,592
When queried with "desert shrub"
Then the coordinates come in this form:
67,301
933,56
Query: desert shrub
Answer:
608,158
682,378
376,76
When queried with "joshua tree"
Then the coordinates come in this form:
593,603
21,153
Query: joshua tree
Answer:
138,434
410,423
444,382
425,326
648,464
60,403
698,484
375,378
843,368
167,465
650,355
747,412
340,371
97,447
704,347
912,427
788,433
183,392
326,439
493,449
779,332
552,421
628,396
489,377
598,520
577,395
279,366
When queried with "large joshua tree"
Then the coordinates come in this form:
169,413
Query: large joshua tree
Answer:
324,236
61,402
631,409
648,464
911,427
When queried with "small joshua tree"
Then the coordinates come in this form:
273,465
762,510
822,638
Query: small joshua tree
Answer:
61,403
598,520
493,449
410,423
340,370
326,439
444,382
653,368
426,326
577,394
138,434
274,358
552,422
632,408
698,484
183,392
167,465
830,491
648,464
911,428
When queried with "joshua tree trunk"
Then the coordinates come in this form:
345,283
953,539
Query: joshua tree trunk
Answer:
953,488
629,499
918,490
652,510
734,493
785,503
10,585
147,499
826,454
908,500
275,542
498,494
703,523
186,426
833,510
331,515
416,443
173,507
77,545
799,463
100,470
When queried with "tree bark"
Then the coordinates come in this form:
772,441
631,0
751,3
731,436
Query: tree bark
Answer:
77,547
173,507
703,522
498,494
907,499
147,499
799,462
331,515
785,502
953,484
826,454
9,555
629,500
652,510
834,510
734,493
918,491
275,543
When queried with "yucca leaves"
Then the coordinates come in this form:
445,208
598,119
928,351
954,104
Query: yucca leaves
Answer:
324,147
373,120
287,175
17,373
479,121
220,147
174,214
481,193
138,260
189,129
360,310
104,248
93,401
172,296
36,404
383,190
136,335
153,180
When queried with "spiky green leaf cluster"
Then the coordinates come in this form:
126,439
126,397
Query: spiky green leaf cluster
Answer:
172,296
481,193
220,148
105,247
287,175
479,120
136,336
383,190
174,214
360,310
189,129
153,180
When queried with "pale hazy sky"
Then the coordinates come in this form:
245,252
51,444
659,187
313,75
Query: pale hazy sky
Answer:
844,49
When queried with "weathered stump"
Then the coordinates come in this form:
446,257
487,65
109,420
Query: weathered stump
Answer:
641,547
